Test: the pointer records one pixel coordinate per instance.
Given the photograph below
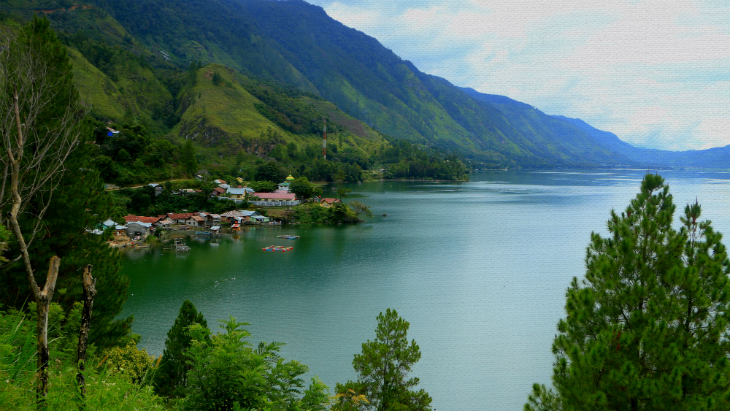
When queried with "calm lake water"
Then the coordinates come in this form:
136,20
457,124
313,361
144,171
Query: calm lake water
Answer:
479,269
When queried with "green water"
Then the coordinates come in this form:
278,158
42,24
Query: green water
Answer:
479,269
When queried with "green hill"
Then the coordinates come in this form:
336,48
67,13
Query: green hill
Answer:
280,63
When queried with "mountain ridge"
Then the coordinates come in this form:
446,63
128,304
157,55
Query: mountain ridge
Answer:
296,43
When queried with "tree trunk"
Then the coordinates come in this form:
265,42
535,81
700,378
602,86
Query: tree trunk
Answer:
43,302
89,293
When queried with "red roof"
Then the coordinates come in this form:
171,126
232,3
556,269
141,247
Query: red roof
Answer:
275,196
180,216
220,190
330,200
141,219
197,218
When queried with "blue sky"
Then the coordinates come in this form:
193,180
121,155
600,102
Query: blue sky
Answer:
656,73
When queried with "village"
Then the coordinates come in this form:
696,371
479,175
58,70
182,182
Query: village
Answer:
135,230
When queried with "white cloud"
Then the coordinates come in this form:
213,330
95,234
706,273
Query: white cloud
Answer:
655,72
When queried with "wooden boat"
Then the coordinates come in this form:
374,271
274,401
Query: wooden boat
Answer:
275,248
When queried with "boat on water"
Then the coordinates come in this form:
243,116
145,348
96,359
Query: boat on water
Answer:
288,237
275,248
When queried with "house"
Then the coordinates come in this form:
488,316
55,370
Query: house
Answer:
327,202
166,223
120,230
260,219
179,218
229,216
238,193
275,196
141,219
195,221
217,192
109,223
137,228
158,188
247,215
273,199
212,220
219,182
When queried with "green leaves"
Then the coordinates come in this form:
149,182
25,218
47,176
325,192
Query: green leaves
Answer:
226,373
647,327
170,377
383,369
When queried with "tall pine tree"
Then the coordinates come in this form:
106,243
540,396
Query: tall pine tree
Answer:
170,377
647,329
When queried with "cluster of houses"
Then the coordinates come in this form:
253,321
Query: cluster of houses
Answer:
281,197
141,226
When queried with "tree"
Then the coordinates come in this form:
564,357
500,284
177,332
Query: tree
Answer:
269,172
169,379
187,158
226,373
360,208
302,188
40,127
384,365
647,329
342,191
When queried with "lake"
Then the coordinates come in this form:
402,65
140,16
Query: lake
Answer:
479,269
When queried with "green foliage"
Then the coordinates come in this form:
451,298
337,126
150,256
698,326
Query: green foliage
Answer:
187,158
217,79
303,189
360,208
129,362
107,387
227,373
648,326
143,201
262,186
270,172
384,365
169,379
5,236
350,397
77,203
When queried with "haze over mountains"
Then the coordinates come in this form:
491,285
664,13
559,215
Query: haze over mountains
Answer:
295,43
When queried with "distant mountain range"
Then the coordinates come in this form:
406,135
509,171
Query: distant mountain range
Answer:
295,43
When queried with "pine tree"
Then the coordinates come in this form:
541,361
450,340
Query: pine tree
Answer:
647,329
170,377
384,365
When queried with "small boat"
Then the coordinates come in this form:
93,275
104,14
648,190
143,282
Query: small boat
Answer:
288,237
275,248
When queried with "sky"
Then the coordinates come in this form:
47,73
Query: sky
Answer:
656,72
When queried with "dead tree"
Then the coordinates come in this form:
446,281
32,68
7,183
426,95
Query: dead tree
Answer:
89,293
39,127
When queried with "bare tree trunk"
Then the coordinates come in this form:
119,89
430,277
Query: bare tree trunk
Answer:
43,302
89,293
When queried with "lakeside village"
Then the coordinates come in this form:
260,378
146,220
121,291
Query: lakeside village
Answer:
135,230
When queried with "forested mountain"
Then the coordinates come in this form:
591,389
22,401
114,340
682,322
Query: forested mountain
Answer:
297,44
